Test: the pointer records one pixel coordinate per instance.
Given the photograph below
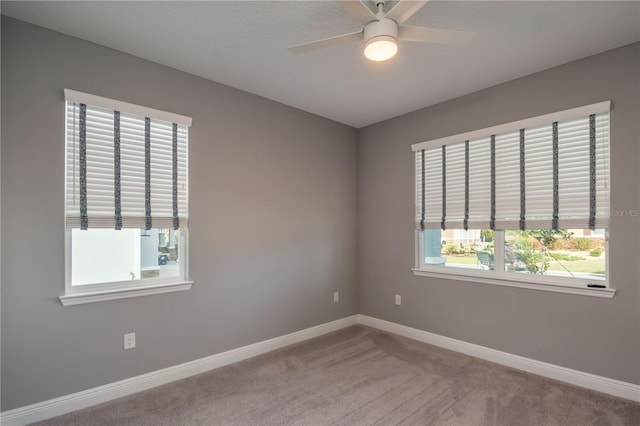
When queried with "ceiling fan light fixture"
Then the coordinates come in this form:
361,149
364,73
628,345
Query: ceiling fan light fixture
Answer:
380,48
383,29
381,39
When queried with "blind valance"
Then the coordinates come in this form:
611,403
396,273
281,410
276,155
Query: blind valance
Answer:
124,170
552,174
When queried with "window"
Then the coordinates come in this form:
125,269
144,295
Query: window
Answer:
523,204
565,253
126,200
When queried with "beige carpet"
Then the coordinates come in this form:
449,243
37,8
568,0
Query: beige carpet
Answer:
361,376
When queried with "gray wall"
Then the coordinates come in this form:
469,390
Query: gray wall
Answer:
600,336
273,224
272,221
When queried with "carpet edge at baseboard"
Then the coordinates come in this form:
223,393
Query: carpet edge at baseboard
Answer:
602,384
89,397
83,399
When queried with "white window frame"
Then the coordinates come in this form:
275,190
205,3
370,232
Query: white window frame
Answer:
498,276
98,292
501,277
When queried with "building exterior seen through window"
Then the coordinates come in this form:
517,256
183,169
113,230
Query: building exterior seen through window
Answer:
108,255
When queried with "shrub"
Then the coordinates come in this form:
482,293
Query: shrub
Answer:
531,242
532,260
581,244
451,249
557,244
564,256
596,252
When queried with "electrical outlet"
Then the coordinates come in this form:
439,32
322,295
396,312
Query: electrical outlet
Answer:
129,341
398,299
336,296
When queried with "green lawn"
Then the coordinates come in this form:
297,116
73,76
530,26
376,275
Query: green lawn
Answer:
466,260
589,265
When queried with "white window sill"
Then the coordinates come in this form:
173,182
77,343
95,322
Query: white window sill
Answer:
104,295
519,282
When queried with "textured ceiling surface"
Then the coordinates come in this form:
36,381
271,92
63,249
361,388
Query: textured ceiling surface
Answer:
243,44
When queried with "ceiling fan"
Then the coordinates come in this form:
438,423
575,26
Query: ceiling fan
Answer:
382,30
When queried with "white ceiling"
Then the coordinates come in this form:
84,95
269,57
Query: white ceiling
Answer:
243,44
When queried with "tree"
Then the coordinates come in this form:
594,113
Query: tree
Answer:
546,237
537,263
486,235
532,259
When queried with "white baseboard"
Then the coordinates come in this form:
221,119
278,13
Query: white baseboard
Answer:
586,380
65,404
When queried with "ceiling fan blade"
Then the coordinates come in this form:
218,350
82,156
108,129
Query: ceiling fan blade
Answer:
404,10
327,42
434,35
358,10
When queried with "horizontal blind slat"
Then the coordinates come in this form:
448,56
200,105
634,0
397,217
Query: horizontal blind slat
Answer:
573,177
100,169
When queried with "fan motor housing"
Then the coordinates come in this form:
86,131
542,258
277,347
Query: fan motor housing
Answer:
383,27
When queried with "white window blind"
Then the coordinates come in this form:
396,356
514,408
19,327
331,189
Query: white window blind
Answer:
134,167
546,172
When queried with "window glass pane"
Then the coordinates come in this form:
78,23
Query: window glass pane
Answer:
471,249
107,255
578,253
